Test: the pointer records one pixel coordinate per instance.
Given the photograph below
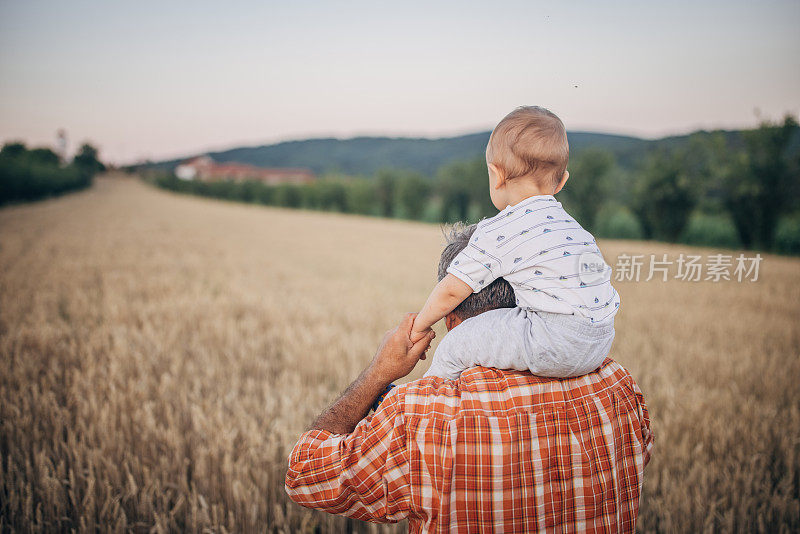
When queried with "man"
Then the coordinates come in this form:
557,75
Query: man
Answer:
495,450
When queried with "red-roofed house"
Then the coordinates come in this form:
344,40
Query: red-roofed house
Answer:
205,169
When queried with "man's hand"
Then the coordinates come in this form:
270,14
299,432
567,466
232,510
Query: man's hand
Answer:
396,357
398,354
418,336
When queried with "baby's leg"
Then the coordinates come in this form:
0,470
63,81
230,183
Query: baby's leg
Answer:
492,339
545,344
562,345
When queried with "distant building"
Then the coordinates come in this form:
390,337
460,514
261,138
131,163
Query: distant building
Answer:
205,169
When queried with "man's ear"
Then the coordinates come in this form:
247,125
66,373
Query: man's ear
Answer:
451,321
562,182
499,175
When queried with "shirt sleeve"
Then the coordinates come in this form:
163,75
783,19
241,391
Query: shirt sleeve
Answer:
364,474
647,437
477,265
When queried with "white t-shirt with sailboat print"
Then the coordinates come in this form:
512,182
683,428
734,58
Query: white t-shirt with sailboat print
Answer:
553,264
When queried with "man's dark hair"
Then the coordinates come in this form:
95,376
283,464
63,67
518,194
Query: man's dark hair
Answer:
498,294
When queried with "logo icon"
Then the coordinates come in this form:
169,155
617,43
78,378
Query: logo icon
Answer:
592,268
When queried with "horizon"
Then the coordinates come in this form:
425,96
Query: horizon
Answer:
152,81
433,137
213,150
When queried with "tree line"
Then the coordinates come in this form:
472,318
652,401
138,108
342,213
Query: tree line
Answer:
712,190
33,173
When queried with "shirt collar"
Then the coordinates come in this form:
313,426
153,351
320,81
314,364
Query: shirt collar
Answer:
531,199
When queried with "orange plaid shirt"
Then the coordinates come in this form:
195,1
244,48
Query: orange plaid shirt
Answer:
496,450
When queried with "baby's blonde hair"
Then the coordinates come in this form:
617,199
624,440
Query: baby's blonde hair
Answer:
530,141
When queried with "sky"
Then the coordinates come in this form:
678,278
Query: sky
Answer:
154,80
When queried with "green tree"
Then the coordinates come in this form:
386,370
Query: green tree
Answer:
14,149
665,196
288,195
385,190
463,187
360,197
87,160
762,183
37,173
413,194
333,196
587,189
265,195
707,160
249,190
44,156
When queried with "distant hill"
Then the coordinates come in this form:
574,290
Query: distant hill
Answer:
365,155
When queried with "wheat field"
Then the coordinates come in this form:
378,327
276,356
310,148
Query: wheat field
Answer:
161,354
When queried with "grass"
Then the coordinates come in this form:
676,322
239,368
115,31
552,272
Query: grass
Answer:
159,355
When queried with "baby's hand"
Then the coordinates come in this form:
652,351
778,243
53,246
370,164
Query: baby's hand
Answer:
416,336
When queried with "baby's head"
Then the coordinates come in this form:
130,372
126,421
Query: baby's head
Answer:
527,151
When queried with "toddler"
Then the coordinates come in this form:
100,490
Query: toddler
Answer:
564,321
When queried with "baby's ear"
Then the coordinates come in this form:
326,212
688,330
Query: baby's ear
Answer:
560,185
498,175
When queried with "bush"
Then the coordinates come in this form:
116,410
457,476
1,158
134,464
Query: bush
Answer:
332,196
32,174
223,189
618,222
248,191
787,235
360,198
413,192
265,195
433,211
711,231
475,213
288,196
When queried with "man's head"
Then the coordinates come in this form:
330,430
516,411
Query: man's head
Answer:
498,294
528,145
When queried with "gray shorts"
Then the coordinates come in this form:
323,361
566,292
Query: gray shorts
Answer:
546,344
